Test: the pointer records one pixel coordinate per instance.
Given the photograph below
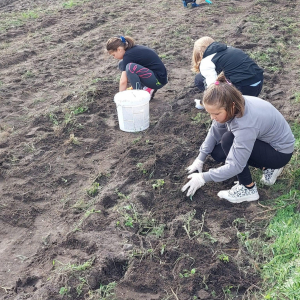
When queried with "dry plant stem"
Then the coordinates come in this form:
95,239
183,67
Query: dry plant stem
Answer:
174,294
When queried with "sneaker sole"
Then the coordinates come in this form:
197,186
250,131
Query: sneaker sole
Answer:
272,181
239,200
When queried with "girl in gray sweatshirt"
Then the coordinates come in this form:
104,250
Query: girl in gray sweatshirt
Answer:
245,131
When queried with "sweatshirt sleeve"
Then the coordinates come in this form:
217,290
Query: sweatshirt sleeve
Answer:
212,139
237,158
208,69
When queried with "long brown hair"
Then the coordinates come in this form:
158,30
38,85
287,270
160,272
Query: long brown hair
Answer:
115,42
199,48
225,95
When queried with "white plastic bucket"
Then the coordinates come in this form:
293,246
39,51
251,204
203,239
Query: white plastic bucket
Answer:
133,110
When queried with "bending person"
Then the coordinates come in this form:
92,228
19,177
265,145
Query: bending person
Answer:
210,58
245,131
140,65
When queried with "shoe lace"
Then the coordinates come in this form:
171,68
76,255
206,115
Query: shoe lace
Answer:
235,188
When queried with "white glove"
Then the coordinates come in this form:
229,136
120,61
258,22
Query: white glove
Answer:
196,182
197,165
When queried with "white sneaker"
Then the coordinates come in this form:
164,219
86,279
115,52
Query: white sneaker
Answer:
239,193
198,105
270,175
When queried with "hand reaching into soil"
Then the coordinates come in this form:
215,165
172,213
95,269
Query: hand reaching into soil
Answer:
197,165
195,183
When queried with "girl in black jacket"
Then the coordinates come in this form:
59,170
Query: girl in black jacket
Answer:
210,58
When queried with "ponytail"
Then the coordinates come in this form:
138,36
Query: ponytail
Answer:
115,42
223,94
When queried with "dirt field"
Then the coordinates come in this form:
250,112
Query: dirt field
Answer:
90,212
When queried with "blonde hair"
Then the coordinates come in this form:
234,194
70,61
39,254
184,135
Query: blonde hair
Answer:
115,42
225,95
199,48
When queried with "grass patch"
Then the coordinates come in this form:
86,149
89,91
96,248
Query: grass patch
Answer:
275,252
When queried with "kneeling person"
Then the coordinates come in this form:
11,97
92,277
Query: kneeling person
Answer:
245,131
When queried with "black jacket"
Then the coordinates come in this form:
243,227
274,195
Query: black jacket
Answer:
237,66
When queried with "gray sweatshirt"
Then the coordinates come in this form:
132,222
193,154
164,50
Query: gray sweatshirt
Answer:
261,121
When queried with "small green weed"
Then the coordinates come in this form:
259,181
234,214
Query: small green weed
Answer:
186,273
209,237
140,167
166,56
159,183
297,96
227,289
29,15
93,190
106,291
69,4
187,219
223,257
79,110
85,216
121,195
28,74
64,291
130,215
73,267
53,118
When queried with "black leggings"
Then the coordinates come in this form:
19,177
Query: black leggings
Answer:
245,90
140,76
262,156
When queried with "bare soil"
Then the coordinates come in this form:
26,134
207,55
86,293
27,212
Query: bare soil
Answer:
78,191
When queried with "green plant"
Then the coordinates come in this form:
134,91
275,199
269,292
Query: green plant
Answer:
79,287
94,189
79,110
107,290
69,4
64,290
187,219
73,267
29,15
203,119
28,74
121,195
223,257
135,141
129,214
148,225
186,273
53,118
85,216
140,167
227,289
297,96
159,183
209,237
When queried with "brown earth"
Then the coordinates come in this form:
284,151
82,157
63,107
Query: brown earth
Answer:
81,206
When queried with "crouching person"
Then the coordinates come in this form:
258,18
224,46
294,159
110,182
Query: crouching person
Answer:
245,131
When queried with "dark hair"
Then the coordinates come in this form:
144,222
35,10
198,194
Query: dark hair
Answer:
115,42
225,95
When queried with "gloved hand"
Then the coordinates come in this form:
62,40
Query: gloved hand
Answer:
195,183
197,165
